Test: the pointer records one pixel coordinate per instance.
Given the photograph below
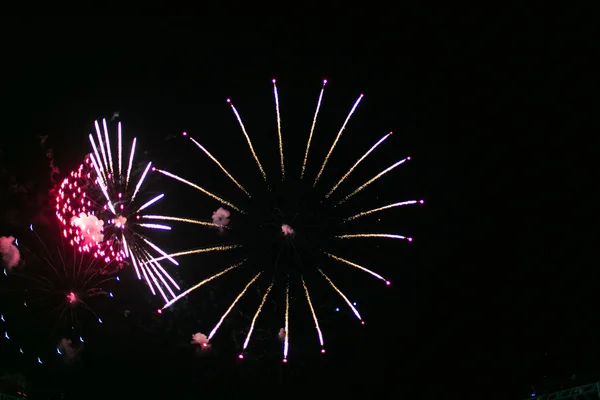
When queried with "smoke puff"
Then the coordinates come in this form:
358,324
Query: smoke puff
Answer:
200,338
10,252
281,334
90,227
287,230
67,349
221,217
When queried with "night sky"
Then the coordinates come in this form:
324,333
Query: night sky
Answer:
481,292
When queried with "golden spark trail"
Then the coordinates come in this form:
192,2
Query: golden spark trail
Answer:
312,128
206,192
354,310
379,175
400,204
356,164
337,138
189,221
237,115
279,128
374,235
196,251
312,310
218,164
358,266
212,333
286,343
262,303
196,286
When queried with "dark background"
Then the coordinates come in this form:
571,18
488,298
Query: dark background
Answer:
493,293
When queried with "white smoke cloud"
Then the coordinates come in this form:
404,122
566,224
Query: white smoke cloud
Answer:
221,217
65,346
287,230
281,334
91,228
200,339
10,252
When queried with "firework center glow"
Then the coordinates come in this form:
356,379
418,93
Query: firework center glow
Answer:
287,230
71,297
120,221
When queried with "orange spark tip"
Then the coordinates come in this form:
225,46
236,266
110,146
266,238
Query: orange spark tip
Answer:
388,283
322,351
391,133
362,322
159,311
241,356
285,360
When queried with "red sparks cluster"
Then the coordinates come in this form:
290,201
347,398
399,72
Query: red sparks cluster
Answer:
73,200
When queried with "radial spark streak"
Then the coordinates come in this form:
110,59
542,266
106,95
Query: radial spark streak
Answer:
165,256
400,204
376,275
220,166
212,333
130,162
337,138
286,342
196,251
199,284
312,310
262,303
108,148
141,181
187,220
275,94
239,119
101,144
120,147
100,170
373,235
379,175
312,128
156,226
206,192
356,164
354,310
150,202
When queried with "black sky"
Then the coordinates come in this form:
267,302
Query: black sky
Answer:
497,296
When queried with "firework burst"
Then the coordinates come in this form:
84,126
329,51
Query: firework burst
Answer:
281,239
53,297
100,208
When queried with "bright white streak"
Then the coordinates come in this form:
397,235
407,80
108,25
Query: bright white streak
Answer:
379,175
312,310
262,303
108,150
206,192
165,273
279,128
400,204
372,235
232,305
159,274
127,253
120,147
196,286
130,162
101,145
156,226
354,310
139,184
102,185
145,274
220,166
239,119
196,251
189,221
158,249
101,176
356,164
340,259
337,138
312,128
150,202
149,270
286,342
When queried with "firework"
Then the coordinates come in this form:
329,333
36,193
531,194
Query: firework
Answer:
53,297
100,208
260,216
